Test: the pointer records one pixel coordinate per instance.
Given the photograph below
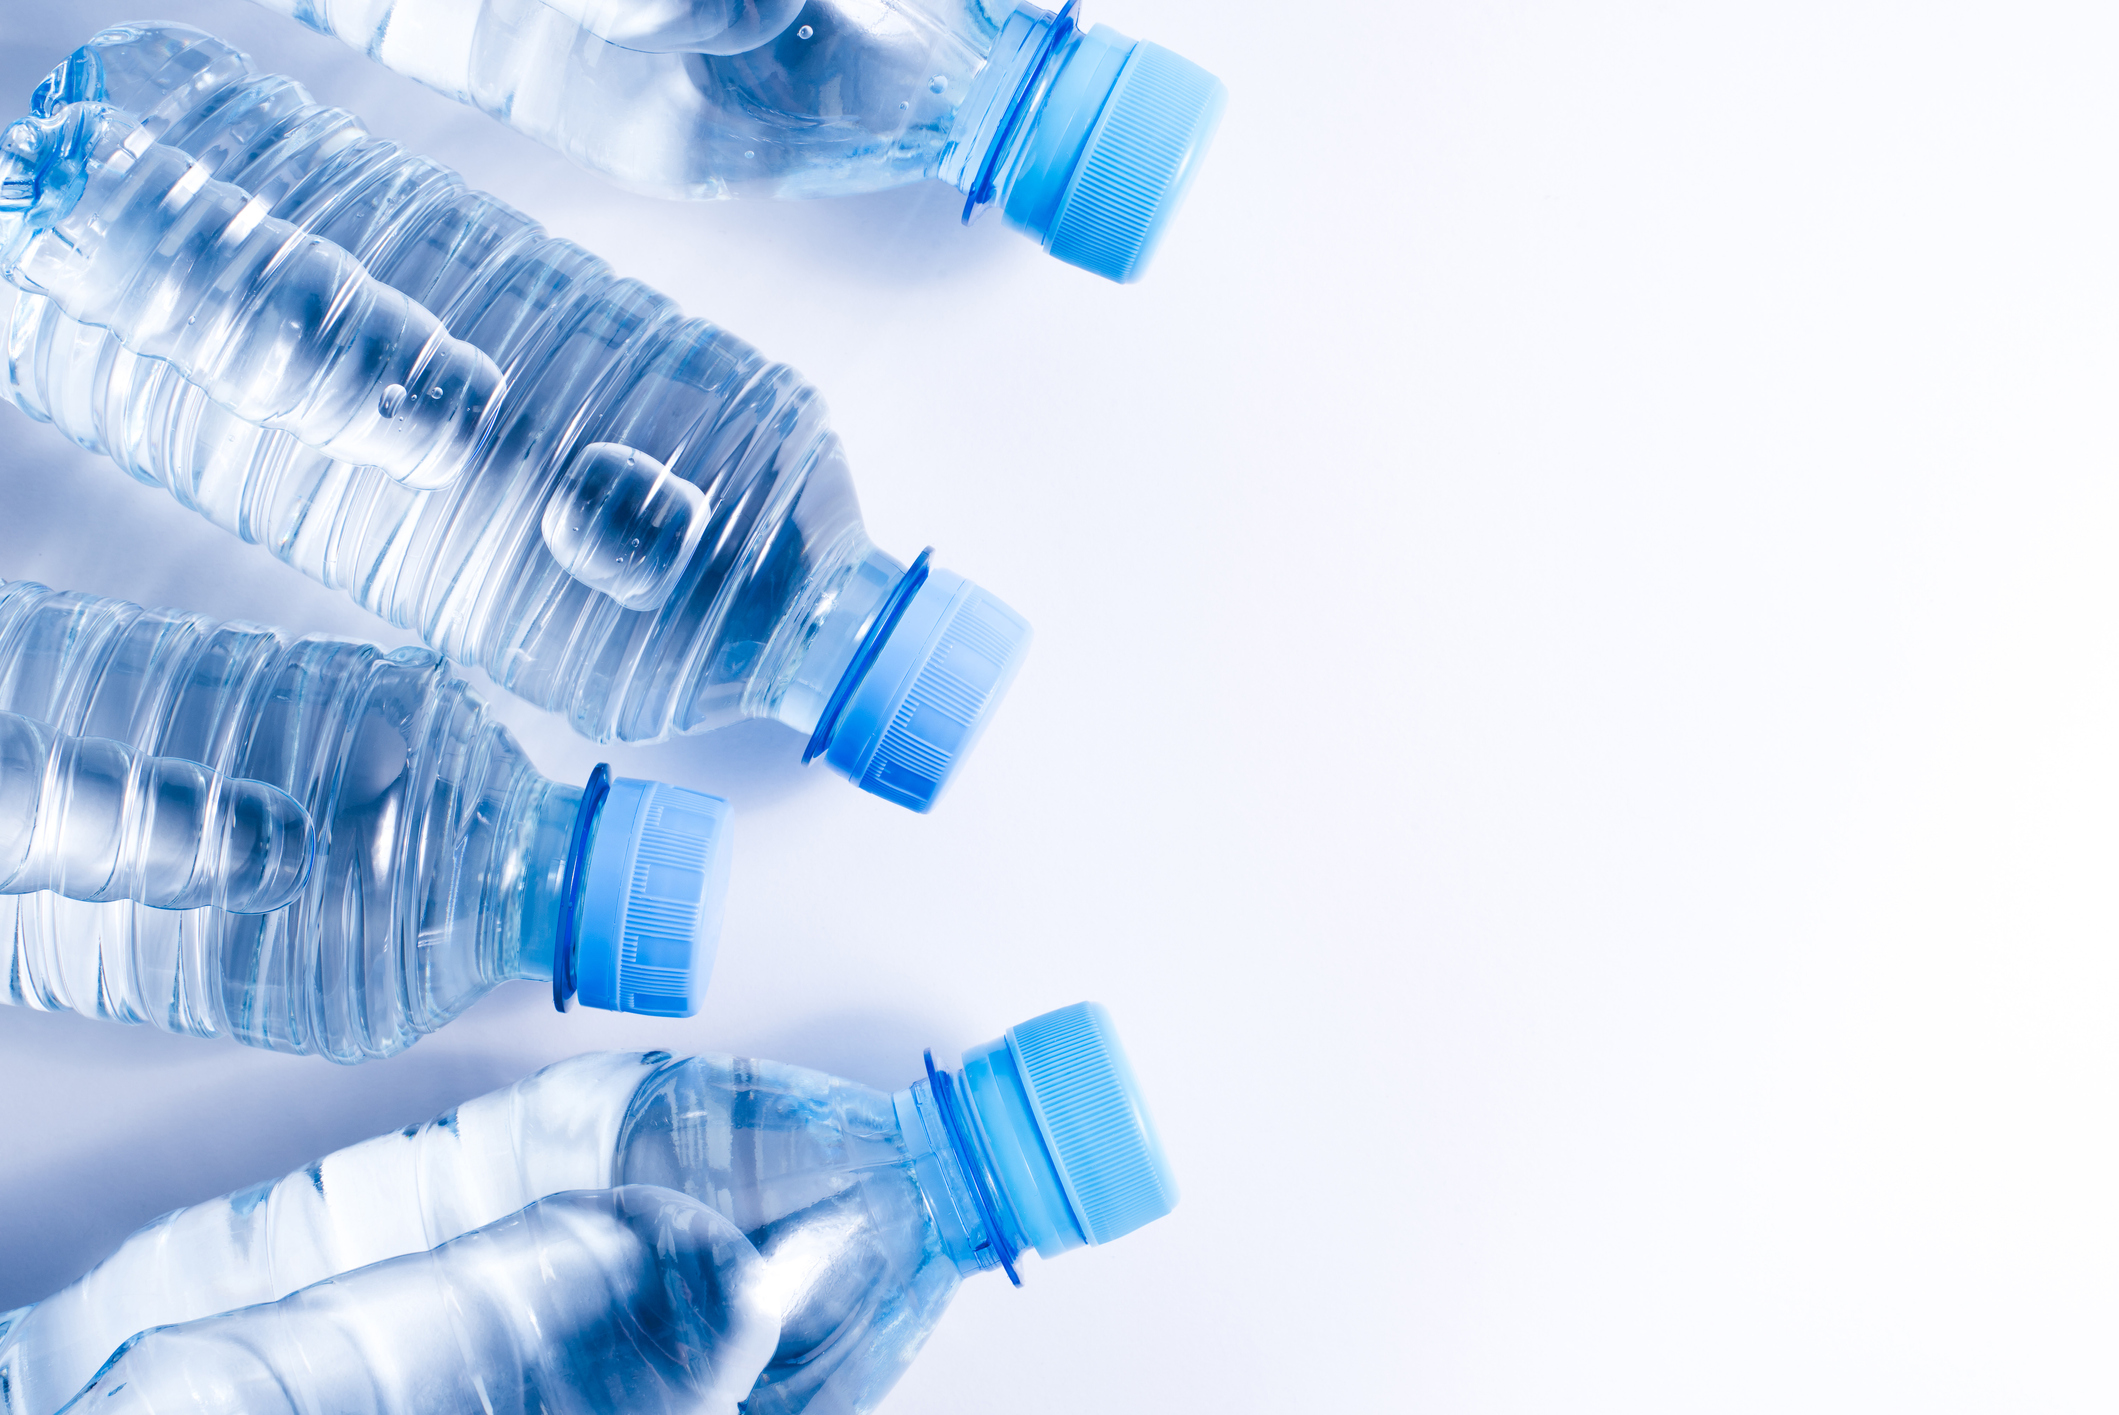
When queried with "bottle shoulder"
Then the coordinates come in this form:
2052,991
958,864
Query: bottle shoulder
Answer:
857,96
817,1174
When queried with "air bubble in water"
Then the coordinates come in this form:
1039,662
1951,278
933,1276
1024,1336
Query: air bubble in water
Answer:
938,82
806,32
393,399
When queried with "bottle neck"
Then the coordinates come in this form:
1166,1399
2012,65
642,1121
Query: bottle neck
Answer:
539,876
972,1216
820,637
983,1163
997,116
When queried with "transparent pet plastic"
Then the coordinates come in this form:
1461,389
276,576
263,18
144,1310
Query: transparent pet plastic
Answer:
659,534
867,1208
279,327
705,101
1086,139
440,854
637,1300
95,820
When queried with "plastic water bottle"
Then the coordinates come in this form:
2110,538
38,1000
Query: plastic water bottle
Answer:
279,327
444,864
93,819
868,1208
1085,139
660,535
635,1300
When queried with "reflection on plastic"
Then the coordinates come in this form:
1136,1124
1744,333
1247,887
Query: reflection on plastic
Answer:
638,1300
680,26
93,819
443,861
1086,139
526,565
868,1207
279,326
622,524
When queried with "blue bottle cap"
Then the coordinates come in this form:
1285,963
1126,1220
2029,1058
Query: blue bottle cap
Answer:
927,690
650,911
1068,1131
1111,151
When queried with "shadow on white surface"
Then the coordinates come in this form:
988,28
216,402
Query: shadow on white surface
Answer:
877,1048
753,764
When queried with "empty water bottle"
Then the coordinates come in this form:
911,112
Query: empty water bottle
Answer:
93,819
444,864
1085,139
867,1207
659,535
638,1301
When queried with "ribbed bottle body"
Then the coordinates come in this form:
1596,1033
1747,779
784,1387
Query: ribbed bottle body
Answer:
93,819
829,97
589,358
281,327
637,1300
815,1172
396,1194
434,876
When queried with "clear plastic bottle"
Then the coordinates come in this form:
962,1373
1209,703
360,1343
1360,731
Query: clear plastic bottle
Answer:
868,1208
279,327
660,535
444,864
639,1300
1085,139
95,820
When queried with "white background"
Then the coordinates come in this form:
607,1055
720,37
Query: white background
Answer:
1572,719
